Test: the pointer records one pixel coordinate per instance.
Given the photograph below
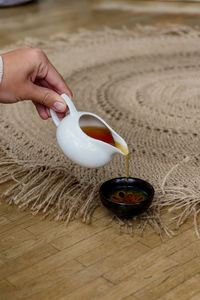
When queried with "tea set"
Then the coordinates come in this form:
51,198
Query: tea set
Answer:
91,152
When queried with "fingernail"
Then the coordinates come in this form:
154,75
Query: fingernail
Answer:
59,106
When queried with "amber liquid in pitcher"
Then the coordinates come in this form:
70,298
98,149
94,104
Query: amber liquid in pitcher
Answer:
104,134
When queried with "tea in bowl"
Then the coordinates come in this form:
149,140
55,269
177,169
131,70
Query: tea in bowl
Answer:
126,197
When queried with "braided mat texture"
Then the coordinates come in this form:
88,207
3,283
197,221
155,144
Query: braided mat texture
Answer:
146,85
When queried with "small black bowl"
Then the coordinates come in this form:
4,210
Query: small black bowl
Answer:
122,209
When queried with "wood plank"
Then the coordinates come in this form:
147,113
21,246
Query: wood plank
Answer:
185,290
11,212
18,224
19,249
4,220
89,290
151,239
125,247
170,280
84,276
43,226
37,279
83,231
146,260
187,253
5,289
65,17
131,297
27,259
48,264
31,257
195,297
7,240
139,280
52,232
92,242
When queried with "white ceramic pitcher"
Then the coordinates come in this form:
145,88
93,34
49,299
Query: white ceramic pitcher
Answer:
77,145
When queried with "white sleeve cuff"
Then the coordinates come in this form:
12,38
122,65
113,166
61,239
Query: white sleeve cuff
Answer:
1,68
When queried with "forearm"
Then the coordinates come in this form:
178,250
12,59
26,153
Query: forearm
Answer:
1,69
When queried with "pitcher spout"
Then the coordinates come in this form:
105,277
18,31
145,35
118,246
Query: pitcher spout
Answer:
120,144
99,130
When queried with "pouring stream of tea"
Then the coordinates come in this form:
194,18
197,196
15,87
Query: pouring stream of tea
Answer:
104,134
126,152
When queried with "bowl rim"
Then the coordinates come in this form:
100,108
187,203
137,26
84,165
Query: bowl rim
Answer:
149,197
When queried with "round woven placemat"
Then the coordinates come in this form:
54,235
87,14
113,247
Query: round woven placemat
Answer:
145,84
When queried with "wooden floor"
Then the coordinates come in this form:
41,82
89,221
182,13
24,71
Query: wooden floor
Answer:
42,259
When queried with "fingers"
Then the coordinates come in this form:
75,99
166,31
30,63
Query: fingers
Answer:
54,79
47,85
44,112
41,109
59,114
47,74
46,97
43,83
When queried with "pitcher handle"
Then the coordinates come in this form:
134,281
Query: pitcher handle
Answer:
70,104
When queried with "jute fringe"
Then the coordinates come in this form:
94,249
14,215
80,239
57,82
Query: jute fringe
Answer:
60,197
48,190
181,200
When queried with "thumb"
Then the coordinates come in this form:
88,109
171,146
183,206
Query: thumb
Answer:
47,97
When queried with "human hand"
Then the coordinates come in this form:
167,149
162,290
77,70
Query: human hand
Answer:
29,75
